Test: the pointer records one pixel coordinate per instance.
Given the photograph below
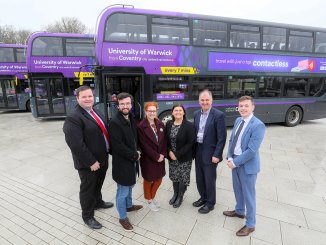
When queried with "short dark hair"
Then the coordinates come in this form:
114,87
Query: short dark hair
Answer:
80,89
184,110
246,97
125,95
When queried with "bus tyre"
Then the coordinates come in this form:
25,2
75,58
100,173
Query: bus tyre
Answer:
28,105
293,116
165,116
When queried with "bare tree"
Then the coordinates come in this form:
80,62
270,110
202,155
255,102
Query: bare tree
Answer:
67,25
8,34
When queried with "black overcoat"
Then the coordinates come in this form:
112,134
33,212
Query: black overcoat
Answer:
124,146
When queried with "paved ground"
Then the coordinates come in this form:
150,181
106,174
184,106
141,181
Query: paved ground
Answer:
39,193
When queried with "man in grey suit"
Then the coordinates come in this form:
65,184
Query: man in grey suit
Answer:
211,138
243,158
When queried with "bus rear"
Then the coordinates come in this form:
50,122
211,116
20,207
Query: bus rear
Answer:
58,63
14,89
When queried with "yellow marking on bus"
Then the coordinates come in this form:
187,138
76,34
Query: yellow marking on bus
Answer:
83,74
170,92
16,81
26,76
178,70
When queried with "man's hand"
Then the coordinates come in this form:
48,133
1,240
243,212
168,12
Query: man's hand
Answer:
215,160
230,164
95,166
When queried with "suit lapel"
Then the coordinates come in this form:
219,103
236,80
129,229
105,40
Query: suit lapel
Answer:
247,128
208,121
89,117
197,119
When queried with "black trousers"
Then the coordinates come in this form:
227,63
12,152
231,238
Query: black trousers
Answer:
205,178
90,195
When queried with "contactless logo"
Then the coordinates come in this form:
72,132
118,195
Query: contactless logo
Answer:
311,65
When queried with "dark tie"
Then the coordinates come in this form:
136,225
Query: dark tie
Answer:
235,139
100,123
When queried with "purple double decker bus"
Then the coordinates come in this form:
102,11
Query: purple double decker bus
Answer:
57,64
170,57
14,89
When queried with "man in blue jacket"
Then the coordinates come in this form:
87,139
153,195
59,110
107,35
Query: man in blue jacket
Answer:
243,158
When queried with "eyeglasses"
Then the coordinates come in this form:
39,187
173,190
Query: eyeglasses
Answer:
151,111
125,104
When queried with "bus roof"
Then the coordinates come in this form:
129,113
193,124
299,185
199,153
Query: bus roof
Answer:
6,45
130,9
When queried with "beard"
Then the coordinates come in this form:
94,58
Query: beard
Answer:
125,111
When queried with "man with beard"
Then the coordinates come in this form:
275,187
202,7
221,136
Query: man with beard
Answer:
125,156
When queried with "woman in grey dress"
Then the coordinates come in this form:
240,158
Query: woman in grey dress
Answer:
181,138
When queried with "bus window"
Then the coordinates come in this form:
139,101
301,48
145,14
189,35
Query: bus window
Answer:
7,55
214,84
320,42
242,36
174,31
295,87
240,86
315,87
170,88
126,28
274,38
269,87
300,41
209,33
47,46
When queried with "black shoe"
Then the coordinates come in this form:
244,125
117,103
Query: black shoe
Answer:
205,209
93,223
198,203
105,205
178,201
175,193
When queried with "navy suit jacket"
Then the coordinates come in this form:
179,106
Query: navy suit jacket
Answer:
85,139
214,135
251,140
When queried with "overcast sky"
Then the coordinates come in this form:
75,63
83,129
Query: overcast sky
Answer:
35,14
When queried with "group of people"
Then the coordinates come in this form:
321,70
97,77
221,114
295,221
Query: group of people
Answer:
144,146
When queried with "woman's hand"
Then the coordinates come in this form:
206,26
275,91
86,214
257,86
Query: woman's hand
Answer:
172,156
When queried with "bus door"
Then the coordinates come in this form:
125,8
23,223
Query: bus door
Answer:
129,83
49,97
8,96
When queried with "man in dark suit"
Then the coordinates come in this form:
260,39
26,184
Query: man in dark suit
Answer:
87,138
125,156
243,158
211,138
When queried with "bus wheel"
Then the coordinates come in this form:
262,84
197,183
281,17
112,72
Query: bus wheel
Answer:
293,116
28,105
166,116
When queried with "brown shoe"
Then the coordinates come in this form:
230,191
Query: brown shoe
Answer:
135,208
233,214
126,224
245,231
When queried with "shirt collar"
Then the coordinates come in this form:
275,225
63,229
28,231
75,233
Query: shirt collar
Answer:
247,119
205,112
